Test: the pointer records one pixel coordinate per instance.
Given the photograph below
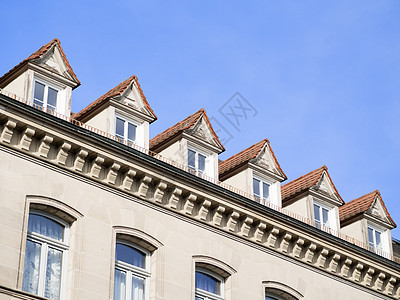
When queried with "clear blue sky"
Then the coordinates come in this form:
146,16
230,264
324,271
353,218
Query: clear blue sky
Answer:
323,76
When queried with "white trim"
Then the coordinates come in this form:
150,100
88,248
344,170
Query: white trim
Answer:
46,243
131,270
60,101
207,295
384,237
331,215
139,134
209,161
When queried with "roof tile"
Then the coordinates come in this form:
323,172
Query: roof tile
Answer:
244,157
360,205
181,126
115,91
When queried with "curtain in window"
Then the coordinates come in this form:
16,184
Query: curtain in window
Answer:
46,227
53,274
119,285
207,283
137,288
31,267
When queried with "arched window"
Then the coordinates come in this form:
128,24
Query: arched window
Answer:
45,255
209,286
278,291
131,277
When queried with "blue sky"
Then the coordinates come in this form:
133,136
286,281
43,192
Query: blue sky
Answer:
323,77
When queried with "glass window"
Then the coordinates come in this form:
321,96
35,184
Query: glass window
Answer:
260,190
125,130
131,275
374,238
196,162
44,255
208,286
45,96
321,215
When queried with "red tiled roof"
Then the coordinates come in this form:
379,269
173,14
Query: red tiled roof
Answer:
116,91
181,126
360,205
244,157
303,183
40,53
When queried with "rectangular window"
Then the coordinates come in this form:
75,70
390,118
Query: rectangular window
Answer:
321,215
260,190
196,162
45,96
44,256
125,130
374,238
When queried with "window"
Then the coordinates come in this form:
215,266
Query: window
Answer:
374,238
45,256
321,215
45,96
208,285
260,190
131,276
196,162
125,130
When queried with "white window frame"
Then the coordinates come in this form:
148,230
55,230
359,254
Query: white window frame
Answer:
132,270
138,134
331,216
47,243
204,295
46,89
261,187
383,233
207,161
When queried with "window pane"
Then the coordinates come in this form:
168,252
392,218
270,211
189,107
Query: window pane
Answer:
325,213
119,128
207,283
316,214
202,163
265,190
191,158
130,255
377,238
52,98
31,267
38,96
53,274
131,132
256,187
119,285
45,226
137,288
371,237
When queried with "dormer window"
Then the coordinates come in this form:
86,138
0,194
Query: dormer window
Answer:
374,237
45,96
260,189
196,161
125,129
321,215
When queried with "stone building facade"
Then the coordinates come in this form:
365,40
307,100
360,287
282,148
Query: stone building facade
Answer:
90,208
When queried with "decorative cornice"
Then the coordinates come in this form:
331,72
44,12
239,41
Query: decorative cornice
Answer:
141,176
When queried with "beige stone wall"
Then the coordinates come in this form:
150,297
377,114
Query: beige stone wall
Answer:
91,255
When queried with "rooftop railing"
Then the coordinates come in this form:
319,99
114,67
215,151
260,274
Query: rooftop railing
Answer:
233,189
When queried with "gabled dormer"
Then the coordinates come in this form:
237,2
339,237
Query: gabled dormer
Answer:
123,111
256,171
191,143
314,196
45,79
367,219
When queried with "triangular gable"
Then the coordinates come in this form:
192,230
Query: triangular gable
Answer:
50,56
370,204
308,181
128,92
378,210
197,121
266,159
326,186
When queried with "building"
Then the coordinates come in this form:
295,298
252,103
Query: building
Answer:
93,209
